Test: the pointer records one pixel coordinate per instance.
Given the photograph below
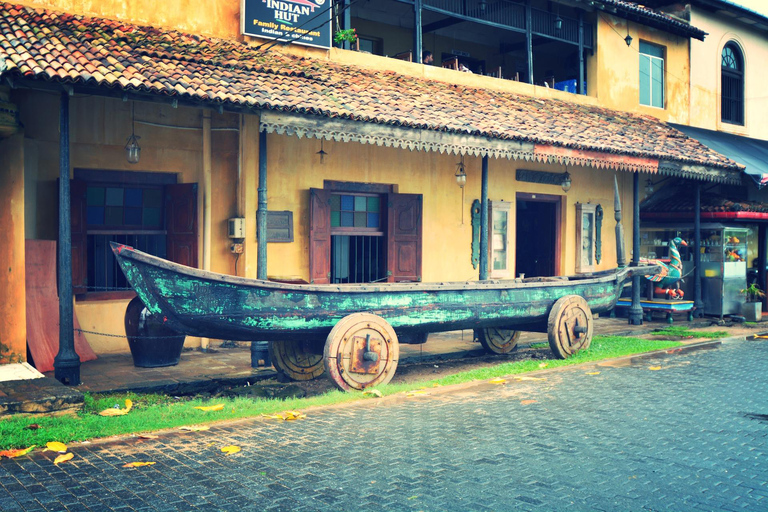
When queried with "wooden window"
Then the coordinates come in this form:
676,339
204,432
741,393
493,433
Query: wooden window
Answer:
499,238
651,75
364,236
157,218
585,237
732,84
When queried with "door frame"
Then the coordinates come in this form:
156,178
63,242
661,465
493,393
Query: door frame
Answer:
559,202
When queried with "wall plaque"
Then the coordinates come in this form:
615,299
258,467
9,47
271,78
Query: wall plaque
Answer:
279,227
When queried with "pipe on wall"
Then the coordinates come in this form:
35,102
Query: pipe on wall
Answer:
207,202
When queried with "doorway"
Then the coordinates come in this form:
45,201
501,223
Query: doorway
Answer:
537,239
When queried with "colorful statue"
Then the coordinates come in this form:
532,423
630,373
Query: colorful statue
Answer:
671,273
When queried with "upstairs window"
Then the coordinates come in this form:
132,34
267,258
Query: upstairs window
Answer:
732,84
651,75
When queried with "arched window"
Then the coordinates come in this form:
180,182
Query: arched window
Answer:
732,84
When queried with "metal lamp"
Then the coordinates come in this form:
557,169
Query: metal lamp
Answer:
461,175
132,148
566,182
558,23
648,187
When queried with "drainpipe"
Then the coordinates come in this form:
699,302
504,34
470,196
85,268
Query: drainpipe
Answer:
698,303
529,39
66,364
484,221
636,310
207,192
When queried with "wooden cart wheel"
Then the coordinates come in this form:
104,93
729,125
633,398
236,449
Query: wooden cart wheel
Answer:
361,351
498,341
291,359
570,326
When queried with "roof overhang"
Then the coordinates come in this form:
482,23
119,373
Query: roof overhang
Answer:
752,153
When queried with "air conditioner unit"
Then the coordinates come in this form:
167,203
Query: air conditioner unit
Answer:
236,227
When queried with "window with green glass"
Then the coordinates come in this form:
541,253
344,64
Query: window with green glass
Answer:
355,211
651,75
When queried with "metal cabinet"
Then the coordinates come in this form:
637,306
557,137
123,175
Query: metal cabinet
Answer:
723,262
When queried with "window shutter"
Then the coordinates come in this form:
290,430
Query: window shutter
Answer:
79,238
404,214
181,223
319,236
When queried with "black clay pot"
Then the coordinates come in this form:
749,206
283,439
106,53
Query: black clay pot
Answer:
152,343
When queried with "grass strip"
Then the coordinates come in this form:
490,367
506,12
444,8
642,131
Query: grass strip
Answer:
680,332
153,412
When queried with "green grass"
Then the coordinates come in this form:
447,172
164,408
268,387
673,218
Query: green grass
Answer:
156,412
678,332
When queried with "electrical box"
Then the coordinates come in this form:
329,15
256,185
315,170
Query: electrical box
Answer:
236,227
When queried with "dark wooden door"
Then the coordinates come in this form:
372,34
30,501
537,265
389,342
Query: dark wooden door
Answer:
404,231
79,235
319,236
181,223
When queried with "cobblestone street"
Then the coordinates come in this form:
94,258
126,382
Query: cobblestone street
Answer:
687,431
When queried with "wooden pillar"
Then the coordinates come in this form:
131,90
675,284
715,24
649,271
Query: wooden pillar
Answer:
66,364
529,39
581,54
484,221
636,310
261,213
698,303
417,35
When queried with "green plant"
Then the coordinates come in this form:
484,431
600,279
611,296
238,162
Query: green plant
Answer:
753,293
346,35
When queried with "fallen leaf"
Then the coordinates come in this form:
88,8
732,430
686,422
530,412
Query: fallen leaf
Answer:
543,365
128,404
138,464
148,436
593,373
195,428
113,412
372,393
654,368
33,426
229,450
293,415
16,453
217,407
530,378
526,402
498,380
416,393
55,446
63,458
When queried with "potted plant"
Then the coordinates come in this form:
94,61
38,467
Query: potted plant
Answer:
753,308
348,35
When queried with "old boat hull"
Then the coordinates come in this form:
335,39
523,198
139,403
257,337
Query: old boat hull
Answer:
206,304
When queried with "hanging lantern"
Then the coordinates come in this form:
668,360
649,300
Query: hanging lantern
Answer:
132,148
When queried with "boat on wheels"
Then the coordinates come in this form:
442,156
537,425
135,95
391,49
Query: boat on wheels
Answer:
352,331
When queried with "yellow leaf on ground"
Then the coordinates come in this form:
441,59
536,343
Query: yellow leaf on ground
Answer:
416,393
543,365
530,378
526,402
373,392
593,373
498,380
56,446
17,452
63,458
229,450
654,367
274,416
194,428
217,407
138,464
113,412
293,415
128,404
148,436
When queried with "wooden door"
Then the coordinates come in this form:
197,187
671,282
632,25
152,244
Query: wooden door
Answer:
319,236
181,223
79,235
404,216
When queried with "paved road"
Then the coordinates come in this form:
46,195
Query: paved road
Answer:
692,435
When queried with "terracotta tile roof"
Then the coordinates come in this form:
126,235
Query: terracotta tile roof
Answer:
64,48
648,16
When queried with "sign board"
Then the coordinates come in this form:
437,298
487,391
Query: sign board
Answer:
306,22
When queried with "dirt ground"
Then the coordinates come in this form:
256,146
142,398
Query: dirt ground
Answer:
433,369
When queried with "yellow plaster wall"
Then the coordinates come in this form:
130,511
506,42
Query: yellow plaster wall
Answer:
705,74
617,68
13,318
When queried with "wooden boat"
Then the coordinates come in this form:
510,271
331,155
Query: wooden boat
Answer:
353,330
